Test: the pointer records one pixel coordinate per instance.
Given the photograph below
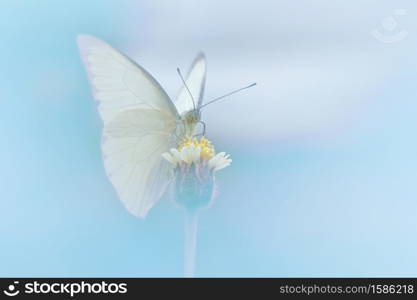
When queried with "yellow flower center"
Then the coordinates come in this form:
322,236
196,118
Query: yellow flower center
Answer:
207,149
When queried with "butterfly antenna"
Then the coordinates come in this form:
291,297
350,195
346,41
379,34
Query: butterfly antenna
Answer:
228,94
189,92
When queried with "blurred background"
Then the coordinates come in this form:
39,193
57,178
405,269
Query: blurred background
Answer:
323,181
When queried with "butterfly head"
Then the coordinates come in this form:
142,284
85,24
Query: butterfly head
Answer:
190,120
192,117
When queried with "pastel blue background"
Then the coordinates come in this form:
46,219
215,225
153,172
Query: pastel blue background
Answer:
323,181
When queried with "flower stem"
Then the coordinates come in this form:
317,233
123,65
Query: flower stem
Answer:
190,241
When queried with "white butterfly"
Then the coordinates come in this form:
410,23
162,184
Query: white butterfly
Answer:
140,121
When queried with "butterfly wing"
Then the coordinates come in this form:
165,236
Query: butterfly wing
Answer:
139,120
133,143
195,81
118,83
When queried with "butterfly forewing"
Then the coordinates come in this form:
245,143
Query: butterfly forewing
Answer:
139,124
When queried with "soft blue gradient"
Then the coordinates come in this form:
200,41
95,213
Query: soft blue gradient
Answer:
323,181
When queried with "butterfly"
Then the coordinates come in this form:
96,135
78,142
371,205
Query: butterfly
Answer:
140,121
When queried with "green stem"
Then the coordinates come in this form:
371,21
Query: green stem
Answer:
191,219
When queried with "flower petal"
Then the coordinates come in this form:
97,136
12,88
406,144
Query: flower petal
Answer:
187,154
169,158
176,155
196,154
219,161
222,164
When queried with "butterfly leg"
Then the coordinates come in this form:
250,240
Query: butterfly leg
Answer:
204,129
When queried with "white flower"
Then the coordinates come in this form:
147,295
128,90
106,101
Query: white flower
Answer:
194,165
198,152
